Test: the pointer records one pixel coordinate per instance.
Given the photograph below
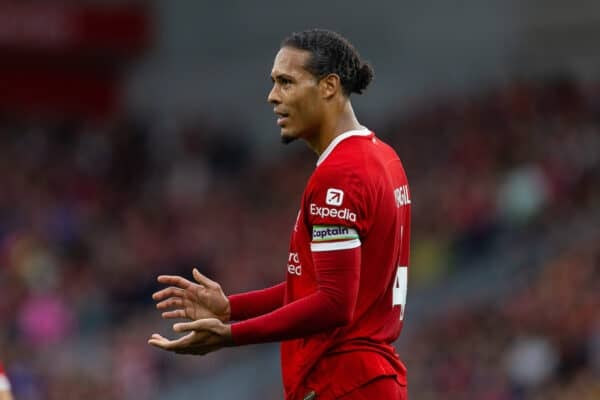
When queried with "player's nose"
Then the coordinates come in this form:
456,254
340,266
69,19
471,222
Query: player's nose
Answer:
273,97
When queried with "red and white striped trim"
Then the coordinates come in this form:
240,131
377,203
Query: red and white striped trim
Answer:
329,246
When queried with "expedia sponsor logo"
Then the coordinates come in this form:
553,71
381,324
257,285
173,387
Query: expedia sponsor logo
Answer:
327,233
334,197
325,212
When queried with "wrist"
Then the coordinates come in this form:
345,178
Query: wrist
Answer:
228,336
226,316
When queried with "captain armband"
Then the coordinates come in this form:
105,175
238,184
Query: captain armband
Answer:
333,237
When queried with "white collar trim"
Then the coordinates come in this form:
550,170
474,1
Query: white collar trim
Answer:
356,132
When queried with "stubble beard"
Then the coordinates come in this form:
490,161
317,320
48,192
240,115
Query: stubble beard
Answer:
287,139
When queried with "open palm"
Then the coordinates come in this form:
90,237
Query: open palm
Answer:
186,299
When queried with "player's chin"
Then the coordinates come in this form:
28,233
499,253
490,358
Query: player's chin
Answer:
287,137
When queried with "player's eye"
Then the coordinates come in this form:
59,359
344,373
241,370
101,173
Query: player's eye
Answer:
284,81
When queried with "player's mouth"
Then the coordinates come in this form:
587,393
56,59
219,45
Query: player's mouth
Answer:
283,117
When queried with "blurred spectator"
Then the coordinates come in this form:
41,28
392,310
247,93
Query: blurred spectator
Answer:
5,389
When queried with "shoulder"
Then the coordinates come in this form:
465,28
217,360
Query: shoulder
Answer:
348,158
342,177
344,173
359,159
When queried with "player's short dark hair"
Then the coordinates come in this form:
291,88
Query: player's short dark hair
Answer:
332,54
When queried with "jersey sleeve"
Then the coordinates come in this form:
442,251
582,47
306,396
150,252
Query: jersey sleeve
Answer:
257,302
330,306
337,214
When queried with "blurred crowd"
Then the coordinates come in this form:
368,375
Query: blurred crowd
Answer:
542,342
523,162
91,212
520,155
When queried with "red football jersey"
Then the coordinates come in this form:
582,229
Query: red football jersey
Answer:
358,196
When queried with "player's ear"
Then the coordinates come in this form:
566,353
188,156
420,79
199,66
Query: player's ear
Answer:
329,85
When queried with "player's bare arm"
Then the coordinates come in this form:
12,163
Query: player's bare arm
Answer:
193,301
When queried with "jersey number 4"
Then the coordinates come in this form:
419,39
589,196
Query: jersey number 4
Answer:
400,287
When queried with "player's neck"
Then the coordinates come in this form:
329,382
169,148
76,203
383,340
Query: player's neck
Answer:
343,121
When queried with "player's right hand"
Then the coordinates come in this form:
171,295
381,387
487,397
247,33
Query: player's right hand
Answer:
186,299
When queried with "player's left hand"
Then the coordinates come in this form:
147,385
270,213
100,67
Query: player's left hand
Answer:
204,336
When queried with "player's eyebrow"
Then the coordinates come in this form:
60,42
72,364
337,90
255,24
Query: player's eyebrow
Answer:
281,76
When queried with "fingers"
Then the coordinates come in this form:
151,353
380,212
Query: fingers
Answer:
168,292
199,325
198,343
166,344
174,314
157,340
187,326
174,280
171,302
203,280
